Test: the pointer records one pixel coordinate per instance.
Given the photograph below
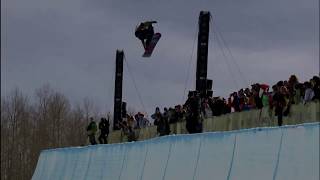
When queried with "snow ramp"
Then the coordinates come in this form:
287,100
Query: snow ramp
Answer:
288,152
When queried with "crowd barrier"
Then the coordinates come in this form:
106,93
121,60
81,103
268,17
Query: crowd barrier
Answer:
301,113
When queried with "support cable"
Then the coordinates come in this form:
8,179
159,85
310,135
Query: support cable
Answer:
227,62
231,55
134,83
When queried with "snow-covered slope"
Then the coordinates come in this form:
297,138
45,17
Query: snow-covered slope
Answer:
289,152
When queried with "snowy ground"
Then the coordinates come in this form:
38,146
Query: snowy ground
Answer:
289,152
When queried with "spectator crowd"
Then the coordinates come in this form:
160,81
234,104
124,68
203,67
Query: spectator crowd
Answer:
278,99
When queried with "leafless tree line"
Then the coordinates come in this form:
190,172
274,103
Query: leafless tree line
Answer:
29,125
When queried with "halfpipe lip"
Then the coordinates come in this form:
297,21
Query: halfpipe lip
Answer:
162,138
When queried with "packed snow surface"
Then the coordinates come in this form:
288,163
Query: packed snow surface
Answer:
288,152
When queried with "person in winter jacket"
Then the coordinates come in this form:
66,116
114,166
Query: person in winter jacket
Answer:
104,125
316,87
279,103
292,83
193,117
162,123
297,98
91,131
309,93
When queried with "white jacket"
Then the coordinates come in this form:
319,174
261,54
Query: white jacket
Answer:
308,95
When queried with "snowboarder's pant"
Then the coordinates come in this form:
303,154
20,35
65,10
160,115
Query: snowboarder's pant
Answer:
149,37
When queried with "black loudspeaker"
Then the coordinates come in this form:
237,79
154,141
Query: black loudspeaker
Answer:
209,93
118,90
124,109
202,51
209,84
191,93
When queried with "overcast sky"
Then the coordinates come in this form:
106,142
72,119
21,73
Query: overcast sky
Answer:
71,45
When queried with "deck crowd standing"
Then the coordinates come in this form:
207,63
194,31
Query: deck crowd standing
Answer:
278,99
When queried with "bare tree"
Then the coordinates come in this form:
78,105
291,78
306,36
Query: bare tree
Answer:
59,108
77,122
15,121
88,108
27,129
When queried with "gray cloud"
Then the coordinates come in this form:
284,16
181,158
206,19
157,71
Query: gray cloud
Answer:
71,45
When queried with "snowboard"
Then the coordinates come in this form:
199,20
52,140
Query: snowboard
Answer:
152,45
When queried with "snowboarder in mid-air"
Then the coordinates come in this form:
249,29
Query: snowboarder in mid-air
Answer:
145,32
149,39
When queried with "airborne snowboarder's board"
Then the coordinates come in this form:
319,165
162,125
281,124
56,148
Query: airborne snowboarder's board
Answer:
152,44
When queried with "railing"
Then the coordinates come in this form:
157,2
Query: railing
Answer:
300,113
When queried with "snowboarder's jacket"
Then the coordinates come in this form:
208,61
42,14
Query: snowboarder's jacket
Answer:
145,25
